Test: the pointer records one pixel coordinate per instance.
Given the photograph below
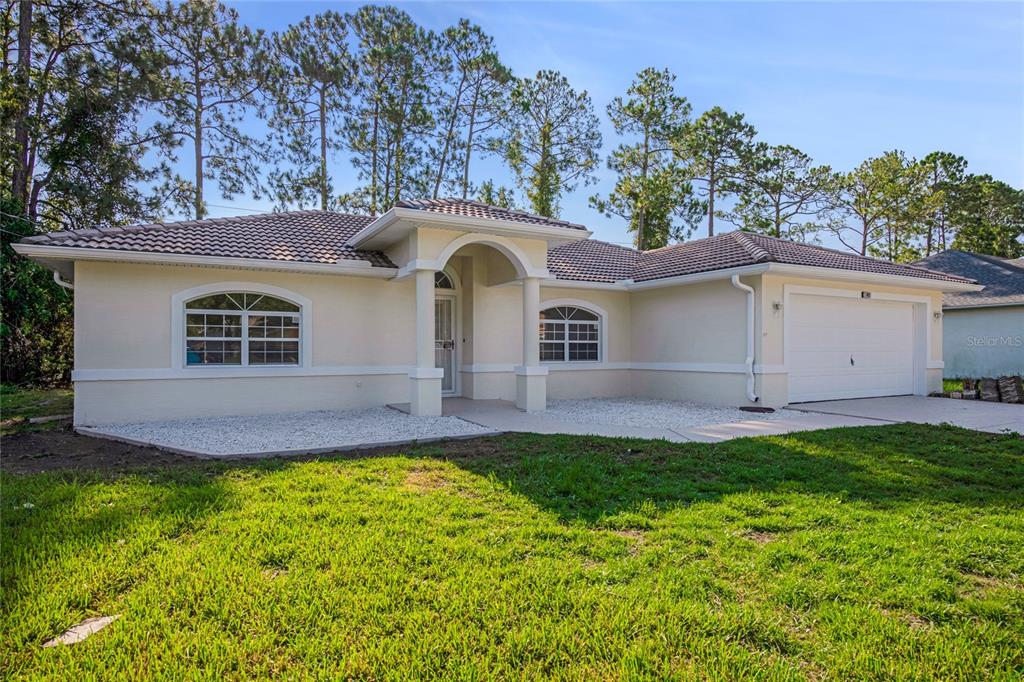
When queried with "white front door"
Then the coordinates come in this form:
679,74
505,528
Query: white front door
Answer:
445,342
841,347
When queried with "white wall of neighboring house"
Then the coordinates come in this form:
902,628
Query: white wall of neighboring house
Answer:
984,342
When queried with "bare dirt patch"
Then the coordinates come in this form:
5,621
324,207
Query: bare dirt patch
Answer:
58,449
983,584
425,480
759,537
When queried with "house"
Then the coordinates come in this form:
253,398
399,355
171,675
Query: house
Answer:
982,331
320,310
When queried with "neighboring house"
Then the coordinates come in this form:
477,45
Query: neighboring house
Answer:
983,331
320,310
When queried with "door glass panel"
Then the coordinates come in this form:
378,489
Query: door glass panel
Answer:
444,341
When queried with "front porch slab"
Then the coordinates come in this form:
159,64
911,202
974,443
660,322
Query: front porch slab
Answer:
669,420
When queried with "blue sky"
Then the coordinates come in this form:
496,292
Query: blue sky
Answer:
841,81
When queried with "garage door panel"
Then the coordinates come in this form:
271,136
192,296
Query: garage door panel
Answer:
825,332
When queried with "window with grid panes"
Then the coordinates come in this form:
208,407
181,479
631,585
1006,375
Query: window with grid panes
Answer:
241,329
569,334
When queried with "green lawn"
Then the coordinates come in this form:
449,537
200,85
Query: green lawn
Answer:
18,404
870,553
952,385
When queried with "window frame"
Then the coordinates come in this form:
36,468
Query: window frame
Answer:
180,338
244,337
598,324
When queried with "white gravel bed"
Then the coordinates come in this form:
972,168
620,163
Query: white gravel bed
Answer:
641,412
298,431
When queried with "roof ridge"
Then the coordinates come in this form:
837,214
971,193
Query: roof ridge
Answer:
1001,263
757,252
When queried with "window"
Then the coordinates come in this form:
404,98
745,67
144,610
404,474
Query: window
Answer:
569,334
442,281
241,329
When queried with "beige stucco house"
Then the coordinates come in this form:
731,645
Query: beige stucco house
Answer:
318,310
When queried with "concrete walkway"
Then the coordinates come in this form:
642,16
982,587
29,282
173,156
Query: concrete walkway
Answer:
501,415
969,414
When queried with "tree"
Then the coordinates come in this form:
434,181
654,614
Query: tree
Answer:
467,106
713,147
72,101
390,119
880,208
35,327
990,218
780,191
310,84
216,71
946,174
652,193
496,195
551,139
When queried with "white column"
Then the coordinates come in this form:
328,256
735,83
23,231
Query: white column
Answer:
531,377
425,378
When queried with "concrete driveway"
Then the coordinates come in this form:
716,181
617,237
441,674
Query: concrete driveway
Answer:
970,414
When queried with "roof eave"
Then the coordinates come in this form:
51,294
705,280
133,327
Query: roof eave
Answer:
974,306
907,281
55,258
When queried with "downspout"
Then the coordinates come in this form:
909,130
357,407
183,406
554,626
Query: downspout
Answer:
61,282
751,395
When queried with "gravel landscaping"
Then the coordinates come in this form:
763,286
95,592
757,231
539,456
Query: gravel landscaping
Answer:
640,412
298,432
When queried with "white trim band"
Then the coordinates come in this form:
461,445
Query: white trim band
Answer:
426,373
251,372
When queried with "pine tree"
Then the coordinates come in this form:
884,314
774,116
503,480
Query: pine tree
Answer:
653,193
551,139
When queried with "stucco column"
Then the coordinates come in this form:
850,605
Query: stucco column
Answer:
531,377
425,378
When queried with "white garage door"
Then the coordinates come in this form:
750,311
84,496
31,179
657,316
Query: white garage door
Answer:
849,348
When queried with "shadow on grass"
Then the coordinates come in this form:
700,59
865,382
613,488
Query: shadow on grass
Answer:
584,478
587,478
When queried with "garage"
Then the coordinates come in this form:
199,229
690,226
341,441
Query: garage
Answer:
849,347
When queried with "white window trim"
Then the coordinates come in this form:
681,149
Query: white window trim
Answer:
179,299
602,331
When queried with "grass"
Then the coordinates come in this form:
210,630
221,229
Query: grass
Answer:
18,405
952,385
871,553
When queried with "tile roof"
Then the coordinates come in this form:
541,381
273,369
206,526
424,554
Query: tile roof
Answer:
475,209
298,236
1003,279
735,249
320,237
590,260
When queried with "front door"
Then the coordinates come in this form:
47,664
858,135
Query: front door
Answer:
444,340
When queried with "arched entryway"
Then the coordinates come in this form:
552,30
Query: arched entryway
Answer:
437,323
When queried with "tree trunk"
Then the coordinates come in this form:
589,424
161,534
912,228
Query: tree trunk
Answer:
323,150
711,202
864,238
197,140
778,221
469,144
19,176
374,142
448,138
641,242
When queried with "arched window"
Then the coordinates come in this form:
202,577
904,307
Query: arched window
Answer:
241,329
442,280
569,334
